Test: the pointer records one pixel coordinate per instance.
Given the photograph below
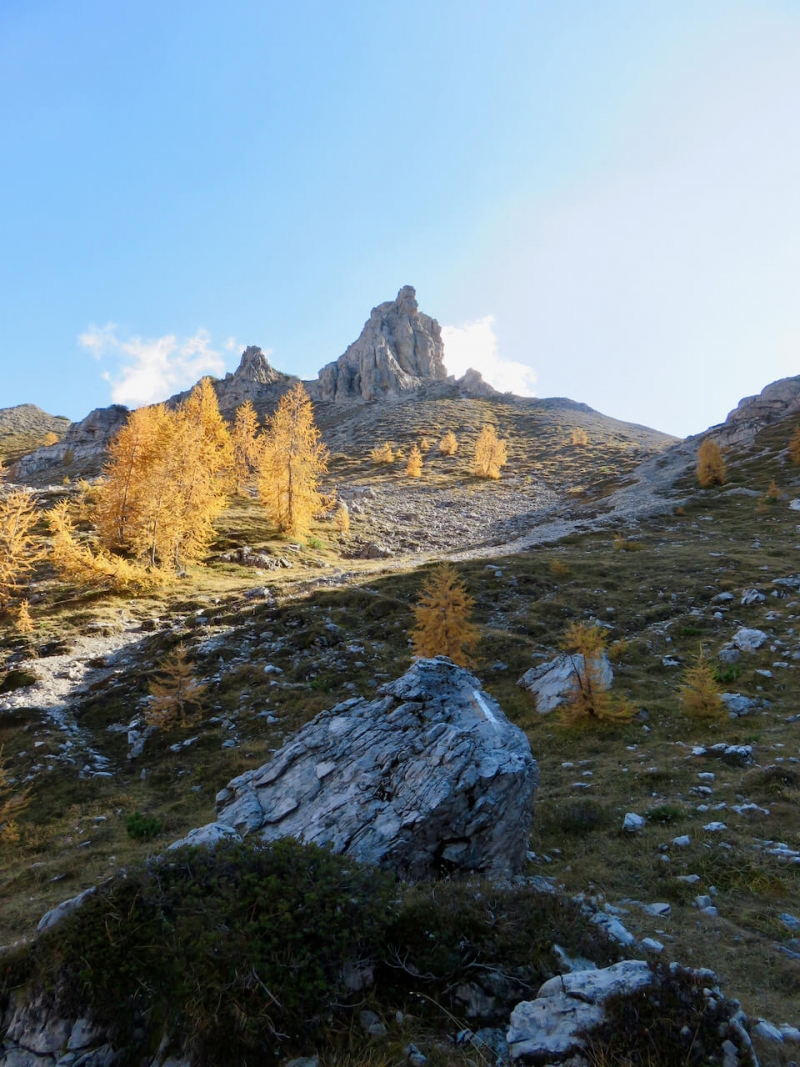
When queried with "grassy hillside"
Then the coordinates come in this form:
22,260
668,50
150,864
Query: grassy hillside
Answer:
335,625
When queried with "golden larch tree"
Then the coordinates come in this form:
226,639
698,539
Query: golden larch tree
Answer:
78,564
699,691
443,613
20,548
24,623
710,464
448,445
382,453
118,509
589,699
414,465
293,459
246,446
579,437
177,694
13,802
490,453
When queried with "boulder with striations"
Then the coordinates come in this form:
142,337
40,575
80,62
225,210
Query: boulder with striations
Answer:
428,777
398,350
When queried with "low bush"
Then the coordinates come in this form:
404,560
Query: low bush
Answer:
141,827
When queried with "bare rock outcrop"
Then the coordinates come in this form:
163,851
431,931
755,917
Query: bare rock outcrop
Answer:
398,350
255,379
82,449
428,777
776,401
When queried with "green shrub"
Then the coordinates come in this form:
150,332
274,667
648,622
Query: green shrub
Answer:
142,826
229,950
665,813
315,543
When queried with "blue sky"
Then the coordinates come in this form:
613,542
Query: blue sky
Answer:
596,200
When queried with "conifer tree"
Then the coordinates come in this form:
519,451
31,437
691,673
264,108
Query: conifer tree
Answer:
246,446
589,700
342,518
382,453
414,465
76,563
131,455
710,464
12,803
794,446
490,454
579,436
177,695
443,612
699,691
293,459
20,549
24,623
448,444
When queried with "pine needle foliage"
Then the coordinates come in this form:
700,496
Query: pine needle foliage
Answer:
246,447
424,445
443,612
414,465
382,453
710,464
448,445
579,437
20,548
77,564
23,623
794,446
166,481
12,803
341,519
177,695
490,454
589,700
699,691
293,459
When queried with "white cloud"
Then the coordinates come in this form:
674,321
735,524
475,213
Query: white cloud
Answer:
475,345
231,344
152,370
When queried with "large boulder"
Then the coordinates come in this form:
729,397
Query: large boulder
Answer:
552,683
398,350
428,777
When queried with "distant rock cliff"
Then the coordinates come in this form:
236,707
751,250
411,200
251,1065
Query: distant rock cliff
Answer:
80,452
255,379
776,401
398,351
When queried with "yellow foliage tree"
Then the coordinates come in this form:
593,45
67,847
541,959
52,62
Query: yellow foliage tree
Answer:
699,691
20,548
382,453
24,623
342,518
794,446
50,439
448,444
490,454
246,446
414,465
293,459
177,695
589,699
12,803
579,436
78,564
166,481
710,464
443,617
424,445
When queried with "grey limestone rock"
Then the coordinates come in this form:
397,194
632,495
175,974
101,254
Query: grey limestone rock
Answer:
429,776
748,640
398,349
551,682
81,449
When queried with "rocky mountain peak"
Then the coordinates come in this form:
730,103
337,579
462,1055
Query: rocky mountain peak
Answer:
254,367
399,349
